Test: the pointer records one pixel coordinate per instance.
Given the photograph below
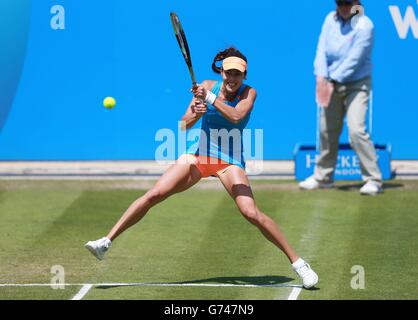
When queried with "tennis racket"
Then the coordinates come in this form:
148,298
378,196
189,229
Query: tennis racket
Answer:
184,47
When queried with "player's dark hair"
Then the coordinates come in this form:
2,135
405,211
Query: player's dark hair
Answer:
230,52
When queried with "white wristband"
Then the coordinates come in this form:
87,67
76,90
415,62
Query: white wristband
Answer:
210,97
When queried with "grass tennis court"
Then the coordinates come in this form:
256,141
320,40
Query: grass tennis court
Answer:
195,245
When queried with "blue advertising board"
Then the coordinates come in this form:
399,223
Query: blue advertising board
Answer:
348,164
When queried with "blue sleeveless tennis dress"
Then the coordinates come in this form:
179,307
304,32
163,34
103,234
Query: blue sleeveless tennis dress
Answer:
219,137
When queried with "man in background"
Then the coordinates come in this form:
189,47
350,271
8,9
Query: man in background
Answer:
343,71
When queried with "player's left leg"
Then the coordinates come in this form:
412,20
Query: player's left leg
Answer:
236,183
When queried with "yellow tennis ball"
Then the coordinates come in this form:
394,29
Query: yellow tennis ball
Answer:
109,102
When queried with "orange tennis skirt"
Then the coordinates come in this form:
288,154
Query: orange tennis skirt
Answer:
208,166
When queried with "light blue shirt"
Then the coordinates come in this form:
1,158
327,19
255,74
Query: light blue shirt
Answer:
344,49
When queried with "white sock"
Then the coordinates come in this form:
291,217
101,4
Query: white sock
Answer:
298,263
108,242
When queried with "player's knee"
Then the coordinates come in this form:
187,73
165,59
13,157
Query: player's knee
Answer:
251,214
154,196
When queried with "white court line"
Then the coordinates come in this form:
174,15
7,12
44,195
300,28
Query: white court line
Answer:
151,284
83,291
40,284
295,293
87,287
198,285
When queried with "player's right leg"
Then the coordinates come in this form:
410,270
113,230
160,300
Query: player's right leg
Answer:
179,177
236,183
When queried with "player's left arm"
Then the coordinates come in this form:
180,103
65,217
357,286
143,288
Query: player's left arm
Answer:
244,106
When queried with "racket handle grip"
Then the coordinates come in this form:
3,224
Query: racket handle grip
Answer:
194,85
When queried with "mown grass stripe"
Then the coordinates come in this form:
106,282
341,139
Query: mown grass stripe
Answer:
26,215
308,238
338,217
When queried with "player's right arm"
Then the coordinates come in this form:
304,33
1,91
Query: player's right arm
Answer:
196,108
193,114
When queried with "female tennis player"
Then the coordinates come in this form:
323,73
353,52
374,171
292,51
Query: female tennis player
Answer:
226,105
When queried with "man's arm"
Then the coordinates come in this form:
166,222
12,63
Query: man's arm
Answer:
321,63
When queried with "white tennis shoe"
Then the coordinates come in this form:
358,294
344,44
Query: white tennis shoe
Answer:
311,184
371,188
305,272
98,247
